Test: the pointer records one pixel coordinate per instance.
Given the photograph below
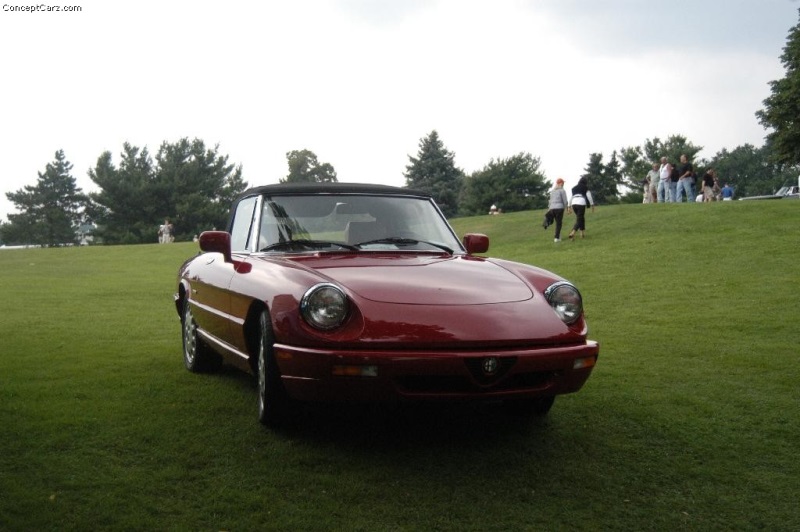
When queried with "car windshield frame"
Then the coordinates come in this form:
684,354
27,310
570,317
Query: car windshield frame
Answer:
301,223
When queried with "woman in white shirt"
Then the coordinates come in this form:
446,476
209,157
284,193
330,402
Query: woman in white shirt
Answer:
581,197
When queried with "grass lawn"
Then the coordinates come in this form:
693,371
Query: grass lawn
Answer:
690,421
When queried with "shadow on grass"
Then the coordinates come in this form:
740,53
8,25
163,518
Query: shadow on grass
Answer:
403,425
408,425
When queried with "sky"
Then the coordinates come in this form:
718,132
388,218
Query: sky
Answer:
361,82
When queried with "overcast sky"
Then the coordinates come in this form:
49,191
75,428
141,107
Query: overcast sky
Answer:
360,82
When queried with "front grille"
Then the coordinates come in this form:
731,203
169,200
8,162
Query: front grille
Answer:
459,384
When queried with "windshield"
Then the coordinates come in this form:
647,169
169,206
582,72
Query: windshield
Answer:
336,222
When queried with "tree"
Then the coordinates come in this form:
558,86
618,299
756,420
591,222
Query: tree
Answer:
634,167
604,179
750,170
782,107
672,149
433,170
127,206
513,184
610,182
199,184
305,168
603,190
192,186
50,211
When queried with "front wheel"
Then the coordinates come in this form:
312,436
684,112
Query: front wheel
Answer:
273,401
197,356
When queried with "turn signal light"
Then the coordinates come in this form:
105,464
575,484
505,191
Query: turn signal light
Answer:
583,363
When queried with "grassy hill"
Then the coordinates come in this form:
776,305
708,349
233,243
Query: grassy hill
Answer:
690,420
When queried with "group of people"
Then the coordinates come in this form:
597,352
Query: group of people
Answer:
665,183
559,203
668,183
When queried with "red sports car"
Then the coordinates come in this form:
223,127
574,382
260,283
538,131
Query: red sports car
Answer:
339,291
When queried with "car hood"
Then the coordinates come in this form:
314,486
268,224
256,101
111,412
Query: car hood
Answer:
423,280
423,300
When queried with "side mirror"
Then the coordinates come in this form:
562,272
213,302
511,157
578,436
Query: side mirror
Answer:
476,243
216,242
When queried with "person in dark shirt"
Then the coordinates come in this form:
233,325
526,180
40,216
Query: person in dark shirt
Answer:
708,185
673,183
685,180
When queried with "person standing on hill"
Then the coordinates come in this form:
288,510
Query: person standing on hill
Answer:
664,172
165,233
581,197
685,184
653,178
558,202
673,183
708,185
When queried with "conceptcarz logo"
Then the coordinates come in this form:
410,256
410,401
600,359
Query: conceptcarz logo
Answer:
40,8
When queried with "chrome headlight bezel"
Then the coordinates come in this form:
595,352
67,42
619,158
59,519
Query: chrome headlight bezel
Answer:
565,300
324,306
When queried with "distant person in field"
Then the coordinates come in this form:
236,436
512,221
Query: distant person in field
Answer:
727,192
165,232
708,185
651,191
673,183
685,183
556,205
581,198
664,172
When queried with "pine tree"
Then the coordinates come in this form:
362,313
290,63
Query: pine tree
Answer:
51,210
595,175
434,171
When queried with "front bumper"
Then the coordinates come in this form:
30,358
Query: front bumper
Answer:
386,376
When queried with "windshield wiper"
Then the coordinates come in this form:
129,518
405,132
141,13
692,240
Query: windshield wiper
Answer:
303,244
406,241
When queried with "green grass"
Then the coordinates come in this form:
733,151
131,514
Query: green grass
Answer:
690,420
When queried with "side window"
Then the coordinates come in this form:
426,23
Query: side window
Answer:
242,223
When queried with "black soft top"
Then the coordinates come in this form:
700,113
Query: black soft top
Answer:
284,189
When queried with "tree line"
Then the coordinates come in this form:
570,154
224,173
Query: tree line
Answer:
517,183
194,186
186,183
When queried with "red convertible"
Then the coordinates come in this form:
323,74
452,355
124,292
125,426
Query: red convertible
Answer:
354,292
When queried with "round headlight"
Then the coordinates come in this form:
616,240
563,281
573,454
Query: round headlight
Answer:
324,306
565,300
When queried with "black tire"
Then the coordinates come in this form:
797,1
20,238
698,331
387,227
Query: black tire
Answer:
197,356
273,401
530,407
